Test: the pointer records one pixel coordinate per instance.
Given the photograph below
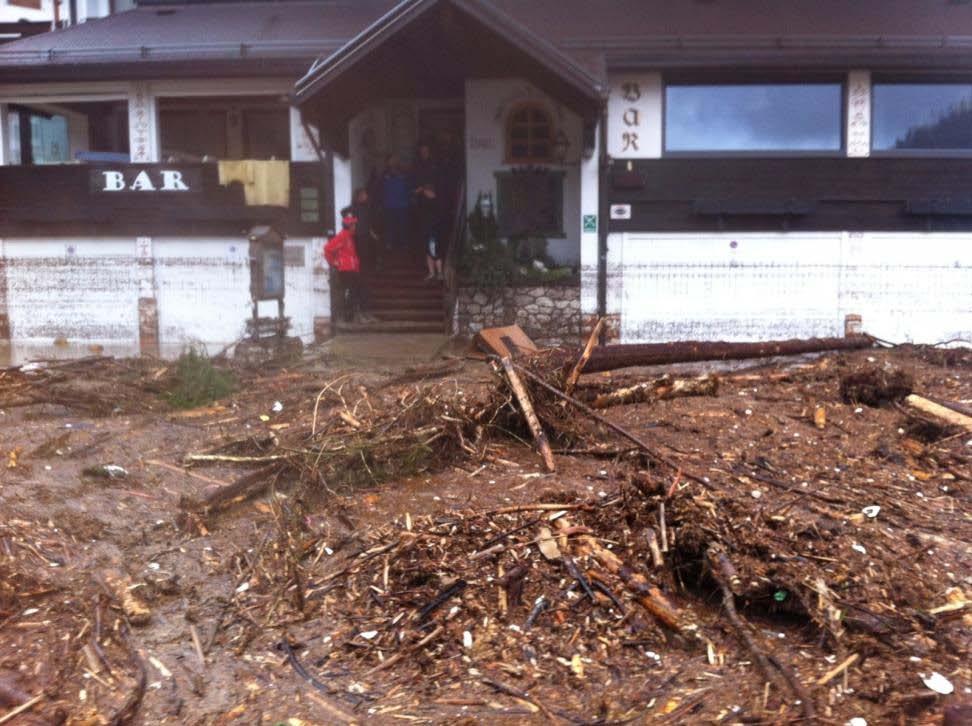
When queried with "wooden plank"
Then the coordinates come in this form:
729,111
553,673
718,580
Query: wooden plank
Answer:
491,340
523,398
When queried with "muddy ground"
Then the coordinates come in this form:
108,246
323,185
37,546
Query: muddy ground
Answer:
116,606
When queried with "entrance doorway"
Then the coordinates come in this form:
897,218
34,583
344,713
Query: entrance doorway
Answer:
397,295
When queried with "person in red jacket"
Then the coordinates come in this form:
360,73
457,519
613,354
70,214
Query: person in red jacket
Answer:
342,256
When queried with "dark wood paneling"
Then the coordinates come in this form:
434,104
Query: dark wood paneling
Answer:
39,201
880,194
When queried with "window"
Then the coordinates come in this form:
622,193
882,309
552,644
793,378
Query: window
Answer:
192,135
529,135
228,128
922,116
37,137
530,202
266,133
310,204
68,131
754,118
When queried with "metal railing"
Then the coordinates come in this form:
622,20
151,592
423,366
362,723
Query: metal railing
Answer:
457,234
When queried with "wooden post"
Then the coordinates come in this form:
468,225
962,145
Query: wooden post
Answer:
523,398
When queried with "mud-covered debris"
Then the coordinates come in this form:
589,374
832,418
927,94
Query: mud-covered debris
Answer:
106,471
876,386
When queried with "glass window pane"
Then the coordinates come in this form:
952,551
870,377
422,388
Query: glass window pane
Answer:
922,116
49,139
770,117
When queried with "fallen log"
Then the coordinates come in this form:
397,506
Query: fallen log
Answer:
658,390
940,412
613,357
243,488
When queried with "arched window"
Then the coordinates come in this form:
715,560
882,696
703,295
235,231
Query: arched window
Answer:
529,135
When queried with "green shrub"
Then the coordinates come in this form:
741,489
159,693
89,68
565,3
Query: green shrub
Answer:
197,382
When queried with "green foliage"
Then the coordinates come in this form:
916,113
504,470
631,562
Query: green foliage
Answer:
197,382
543,277
489,264
486,263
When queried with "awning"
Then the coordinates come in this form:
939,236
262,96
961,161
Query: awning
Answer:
428,49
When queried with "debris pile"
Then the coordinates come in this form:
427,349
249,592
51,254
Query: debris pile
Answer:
780,543
70,627
563,604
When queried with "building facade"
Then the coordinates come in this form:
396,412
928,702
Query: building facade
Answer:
712,170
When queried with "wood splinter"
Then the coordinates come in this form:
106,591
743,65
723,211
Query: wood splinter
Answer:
649,596
585,356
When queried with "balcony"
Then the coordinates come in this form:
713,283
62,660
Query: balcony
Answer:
154,199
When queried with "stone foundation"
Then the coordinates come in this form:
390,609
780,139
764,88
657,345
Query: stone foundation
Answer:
549,314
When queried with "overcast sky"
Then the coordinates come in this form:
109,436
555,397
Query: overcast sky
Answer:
900,106
750,117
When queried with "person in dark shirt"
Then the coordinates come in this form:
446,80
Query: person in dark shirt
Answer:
366,237
428,210
394,203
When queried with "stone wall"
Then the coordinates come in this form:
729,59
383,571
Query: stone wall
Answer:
549,314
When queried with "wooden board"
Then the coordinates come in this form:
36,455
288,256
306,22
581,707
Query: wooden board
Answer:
495,340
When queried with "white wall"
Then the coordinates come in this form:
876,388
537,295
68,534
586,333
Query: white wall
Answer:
14,13
761,286
69,297
65,295
87,10
202,289
589,241
487,104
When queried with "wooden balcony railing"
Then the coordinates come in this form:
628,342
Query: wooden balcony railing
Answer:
151,199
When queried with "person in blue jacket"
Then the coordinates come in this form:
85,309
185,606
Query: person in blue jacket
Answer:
395,199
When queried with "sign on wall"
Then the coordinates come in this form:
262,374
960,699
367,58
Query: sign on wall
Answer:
144,179
143,124
859,113
635,116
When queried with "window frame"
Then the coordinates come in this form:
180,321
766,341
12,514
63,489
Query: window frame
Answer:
758,79
559,174
886,79
528,106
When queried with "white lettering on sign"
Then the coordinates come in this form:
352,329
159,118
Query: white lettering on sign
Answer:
172,181
142,183
114,181
144,180
859,114
635,116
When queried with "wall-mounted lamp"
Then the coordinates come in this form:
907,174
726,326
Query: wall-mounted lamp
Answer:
486,204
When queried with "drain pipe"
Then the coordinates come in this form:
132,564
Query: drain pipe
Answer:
604,213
